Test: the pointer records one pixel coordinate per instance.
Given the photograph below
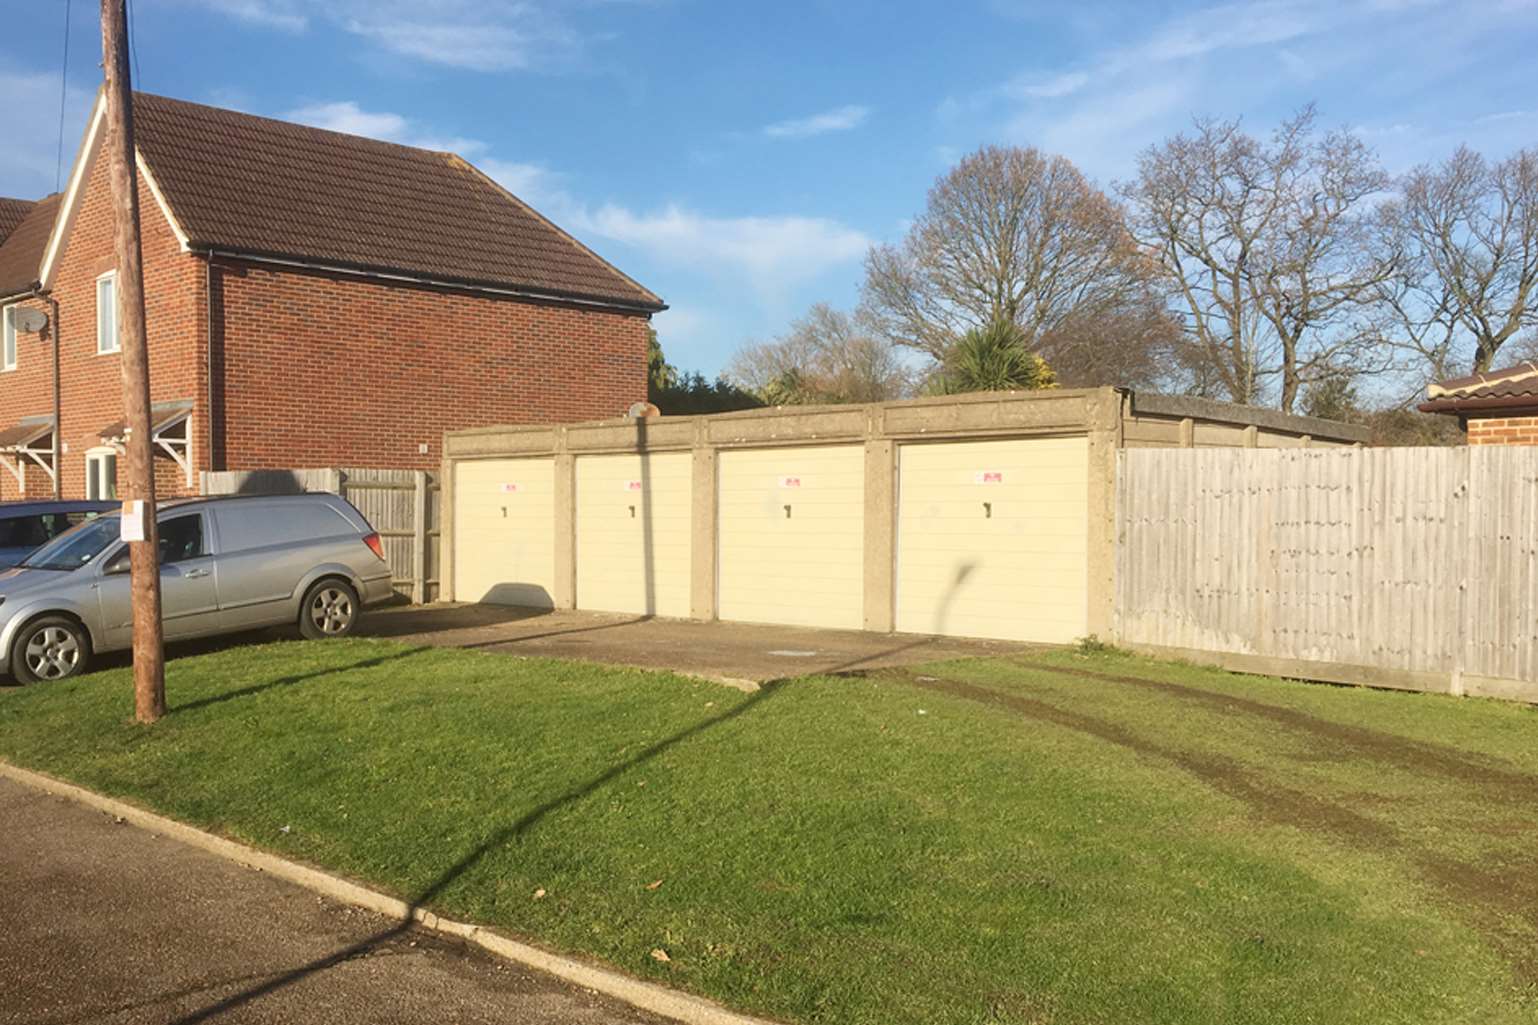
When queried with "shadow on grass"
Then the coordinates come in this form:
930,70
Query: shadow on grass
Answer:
296,678
501,838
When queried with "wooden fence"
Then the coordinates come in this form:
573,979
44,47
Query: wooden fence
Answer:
401,504
1401,567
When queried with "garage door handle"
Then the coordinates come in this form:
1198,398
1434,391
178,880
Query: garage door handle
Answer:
787,512
632,512
987,510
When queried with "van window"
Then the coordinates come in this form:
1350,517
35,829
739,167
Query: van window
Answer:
246,525
181,538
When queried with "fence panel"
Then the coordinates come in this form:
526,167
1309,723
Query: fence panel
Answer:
400,504
1412,567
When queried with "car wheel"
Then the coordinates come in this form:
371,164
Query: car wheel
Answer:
50,648
330,609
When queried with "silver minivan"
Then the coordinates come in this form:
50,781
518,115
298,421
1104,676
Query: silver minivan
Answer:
226,564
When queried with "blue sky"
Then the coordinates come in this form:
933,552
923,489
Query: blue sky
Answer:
739,158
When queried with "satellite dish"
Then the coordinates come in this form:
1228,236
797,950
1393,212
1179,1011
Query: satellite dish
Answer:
29,321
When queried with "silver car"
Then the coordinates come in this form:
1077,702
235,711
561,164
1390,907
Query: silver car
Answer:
226,564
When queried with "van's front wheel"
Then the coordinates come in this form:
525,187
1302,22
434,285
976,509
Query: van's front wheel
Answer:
330,609
50,648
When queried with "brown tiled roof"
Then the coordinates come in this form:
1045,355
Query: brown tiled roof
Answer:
12,213
21,254
257,186
1512,388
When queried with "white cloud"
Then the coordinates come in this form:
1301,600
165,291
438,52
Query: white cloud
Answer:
347,116
1048,88
775,251
479,35
285,15
29,124
533,183
839,119
1228,27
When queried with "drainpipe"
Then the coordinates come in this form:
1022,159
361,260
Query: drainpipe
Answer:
214,456
58,433
58,420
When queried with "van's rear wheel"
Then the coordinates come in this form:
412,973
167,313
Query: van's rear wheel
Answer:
50,648
330,609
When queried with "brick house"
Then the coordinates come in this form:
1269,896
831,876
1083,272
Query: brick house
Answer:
312,299
1498,407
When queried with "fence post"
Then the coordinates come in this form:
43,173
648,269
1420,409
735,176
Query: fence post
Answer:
419,538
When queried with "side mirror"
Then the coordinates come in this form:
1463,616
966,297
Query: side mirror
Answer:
119,563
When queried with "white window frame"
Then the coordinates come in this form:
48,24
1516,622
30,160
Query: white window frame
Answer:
8,338
95,477
116,341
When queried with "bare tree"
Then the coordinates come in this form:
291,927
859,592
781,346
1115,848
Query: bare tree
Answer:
1137,348
1472,286
1273,250
1016,236
826,356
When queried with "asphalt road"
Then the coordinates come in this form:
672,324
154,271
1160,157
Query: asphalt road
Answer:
106,922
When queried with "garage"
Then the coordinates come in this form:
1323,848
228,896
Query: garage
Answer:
633,537
790,541
504,525
992,539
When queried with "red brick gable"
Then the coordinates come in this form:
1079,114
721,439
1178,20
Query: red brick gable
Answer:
309,369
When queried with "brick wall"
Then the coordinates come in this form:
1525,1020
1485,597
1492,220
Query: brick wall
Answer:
322,370
91,385
316,370
1504,430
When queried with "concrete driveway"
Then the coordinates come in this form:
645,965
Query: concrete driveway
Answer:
731,652
107,922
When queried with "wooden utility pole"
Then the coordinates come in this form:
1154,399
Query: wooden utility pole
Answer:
149,651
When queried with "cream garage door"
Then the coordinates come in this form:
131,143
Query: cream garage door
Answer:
504,531
992,539
791,536
633,533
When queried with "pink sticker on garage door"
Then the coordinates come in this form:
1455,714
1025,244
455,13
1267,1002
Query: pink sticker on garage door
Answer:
988,477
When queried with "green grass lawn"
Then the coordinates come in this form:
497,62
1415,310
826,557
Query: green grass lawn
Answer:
1058,838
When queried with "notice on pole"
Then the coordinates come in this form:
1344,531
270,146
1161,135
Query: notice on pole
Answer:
131,523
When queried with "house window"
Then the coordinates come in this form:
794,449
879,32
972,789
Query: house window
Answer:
106,313
8,338
101,474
